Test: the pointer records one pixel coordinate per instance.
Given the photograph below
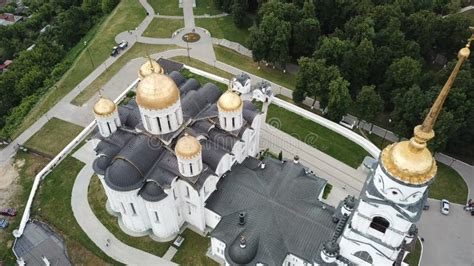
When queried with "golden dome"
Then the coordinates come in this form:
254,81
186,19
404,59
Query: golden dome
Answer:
104,107
407,164
157,91
150,66
187,147
229,102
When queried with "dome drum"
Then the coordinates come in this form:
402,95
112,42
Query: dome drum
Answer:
189,154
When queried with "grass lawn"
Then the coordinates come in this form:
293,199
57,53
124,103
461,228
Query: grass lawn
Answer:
53,206
137,50
163,28
30,165
166,7
322,138
126,16
97,201
224,28
204,7
53,136
202,66
413,258
193,250
247,64
448,185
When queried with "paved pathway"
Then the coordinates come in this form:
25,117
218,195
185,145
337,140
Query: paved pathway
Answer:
89,223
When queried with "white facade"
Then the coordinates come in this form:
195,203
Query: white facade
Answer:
107,125
230,121
162,121
242,87
190,166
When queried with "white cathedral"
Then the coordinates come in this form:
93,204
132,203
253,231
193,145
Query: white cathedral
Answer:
181,153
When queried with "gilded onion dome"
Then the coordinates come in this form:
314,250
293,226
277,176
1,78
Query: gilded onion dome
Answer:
104,107
229,102
157,91
410,161
150,66
187,147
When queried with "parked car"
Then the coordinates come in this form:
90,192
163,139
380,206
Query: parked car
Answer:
3,223
123,45
445,206
115,51
8,212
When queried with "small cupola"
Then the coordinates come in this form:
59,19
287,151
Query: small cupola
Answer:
189,154
150,66
330,251
158,99
230,111
107,116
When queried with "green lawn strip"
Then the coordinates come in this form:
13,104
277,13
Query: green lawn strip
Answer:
137,50
203,80
413,258
193,250
224,28
449,185
53,136
317,136
163,28
204,7
166,7
53,206
126,16
97,200
247,64
28,166
202,66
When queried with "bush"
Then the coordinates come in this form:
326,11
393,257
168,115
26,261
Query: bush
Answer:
109,5
327,190
17,114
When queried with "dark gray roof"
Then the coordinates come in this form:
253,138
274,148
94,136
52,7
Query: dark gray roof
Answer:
40,240
284,214
131,158
242,77
151,191
189,85
223,138
177,78
169,65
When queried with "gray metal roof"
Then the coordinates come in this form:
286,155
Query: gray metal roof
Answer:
223,138
151,191
40,240
131,159
283,213
242,78
168,65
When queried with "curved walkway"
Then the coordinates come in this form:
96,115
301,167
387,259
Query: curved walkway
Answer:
89,223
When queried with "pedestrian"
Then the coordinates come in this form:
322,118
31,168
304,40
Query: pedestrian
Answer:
422,239
107,242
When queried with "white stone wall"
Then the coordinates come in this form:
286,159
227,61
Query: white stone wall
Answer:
212,218
162,121
230,121
396,192
349,248
108,124
190,166
218,248
132,210
163,217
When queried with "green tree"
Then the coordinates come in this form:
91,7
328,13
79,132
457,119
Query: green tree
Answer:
356,65
368,104
408,111
305,37
239,15
308,10
339,99
421,27
403,73
313,80
108,5
359,28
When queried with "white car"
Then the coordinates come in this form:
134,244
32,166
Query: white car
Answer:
122,45
444,206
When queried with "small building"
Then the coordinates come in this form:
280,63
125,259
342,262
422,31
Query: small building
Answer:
9,19
241,83
262,91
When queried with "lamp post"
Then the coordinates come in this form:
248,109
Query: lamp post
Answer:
386,130
88,52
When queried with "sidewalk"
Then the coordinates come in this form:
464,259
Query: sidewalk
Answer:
94,228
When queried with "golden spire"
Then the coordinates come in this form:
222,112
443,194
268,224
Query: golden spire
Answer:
410,161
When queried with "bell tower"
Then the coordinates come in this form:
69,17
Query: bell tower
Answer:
392,199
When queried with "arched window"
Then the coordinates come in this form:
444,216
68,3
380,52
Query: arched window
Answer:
380,224
364,255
